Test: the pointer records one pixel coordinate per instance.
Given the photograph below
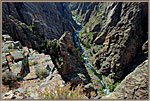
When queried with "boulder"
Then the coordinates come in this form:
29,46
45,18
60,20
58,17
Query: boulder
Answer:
16,67
18,55
17,45
6,38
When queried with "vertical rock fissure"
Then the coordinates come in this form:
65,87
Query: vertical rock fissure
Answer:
19,12
8,9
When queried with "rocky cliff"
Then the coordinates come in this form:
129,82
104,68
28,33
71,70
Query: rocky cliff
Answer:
115,35
40,56
31,23
134,86
61,68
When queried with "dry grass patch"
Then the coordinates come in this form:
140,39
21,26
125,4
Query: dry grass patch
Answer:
62,92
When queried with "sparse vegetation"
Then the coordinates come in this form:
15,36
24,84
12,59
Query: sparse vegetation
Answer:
79,52
72,6
44,46
52,48
10,47
57,92
112,86
86,42
10,50
31,27
10,79
100,91
31,63
42,73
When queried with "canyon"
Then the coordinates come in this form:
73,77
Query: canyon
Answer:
38,44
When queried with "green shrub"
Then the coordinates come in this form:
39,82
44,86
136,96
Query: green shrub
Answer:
79,52
112,86
57,92
109,84
44,46
31,27
103,76
42,73
10,47
100,91
10,50
31,63
53,46
34,32
74,13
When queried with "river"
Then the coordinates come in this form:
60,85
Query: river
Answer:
75,37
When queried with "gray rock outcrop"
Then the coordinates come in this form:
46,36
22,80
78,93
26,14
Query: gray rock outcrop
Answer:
134,86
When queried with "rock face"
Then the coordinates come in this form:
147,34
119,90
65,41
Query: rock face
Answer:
114,36
118,31
84,11
31,23
67,61
134,86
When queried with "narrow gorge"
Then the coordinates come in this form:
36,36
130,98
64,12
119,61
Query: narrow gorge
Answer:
75,50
